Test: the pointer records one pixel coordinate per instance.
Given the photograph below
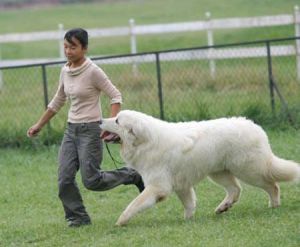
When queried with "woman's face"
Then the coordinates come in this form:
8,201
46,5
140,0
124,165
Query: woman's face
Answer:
74,52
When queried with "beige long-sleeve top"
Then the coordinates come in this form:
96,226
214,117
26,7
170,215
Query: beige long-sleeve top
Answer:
82,86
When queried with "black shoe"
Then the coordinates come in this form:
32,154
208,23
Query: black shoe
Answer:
77,222
140,184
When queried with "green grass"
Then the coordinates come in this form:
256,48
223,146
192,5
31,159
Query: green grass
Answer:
189,91
103,15
241,87
110,14
31,213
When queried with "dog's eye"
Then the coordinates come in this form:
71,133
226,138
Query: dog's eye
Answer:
117,121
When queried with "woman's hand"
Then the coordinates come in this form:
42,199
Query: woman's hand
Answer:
110,137
34,130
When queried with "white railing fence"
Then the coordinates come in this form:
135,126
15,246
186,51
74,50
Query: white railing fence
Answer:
133,30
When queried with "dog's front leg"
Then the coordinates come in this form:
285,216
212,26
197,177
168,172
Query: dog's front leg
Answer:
146,199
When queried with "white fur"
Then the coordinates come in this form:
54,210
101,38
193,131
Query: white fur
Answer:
176,156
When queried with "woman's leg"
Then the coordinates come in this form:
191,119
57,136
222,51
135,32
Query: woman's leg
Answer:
68,189
90,151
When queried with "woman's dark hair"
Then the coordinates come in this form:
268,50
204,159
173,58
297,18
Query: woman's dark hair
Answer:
78,33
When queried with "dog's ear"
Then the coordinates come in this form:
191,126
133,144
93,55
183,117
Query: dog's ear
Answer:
138,134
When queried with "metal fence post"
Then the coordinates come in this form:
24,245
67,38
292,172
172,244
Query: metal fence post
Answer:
159,86
45,88
270,74
297,34
1,81
1,75
274,87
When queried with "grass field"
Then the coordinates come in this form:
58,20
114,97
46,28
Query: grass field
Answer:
240,87
31,213
117,14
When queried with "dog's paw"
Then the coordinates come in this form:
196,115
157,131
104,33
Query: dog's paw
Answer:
188,214
119,224
122,221
223,207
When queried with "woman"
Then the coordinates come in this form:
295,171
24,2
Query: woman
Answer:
81,81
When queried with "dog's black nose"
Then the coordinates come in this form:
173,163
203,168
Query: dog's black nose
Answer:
100,122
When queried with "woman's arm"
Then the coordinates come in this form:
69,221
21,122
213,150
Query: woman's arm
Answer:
36,128
106,135
114,109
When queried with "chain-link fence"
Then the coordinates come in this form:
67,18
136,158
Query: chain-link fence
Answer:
260,80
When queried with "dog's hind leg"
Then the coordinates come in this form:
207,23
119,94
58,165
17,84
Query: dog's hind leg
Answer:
273,190
271,187
148,198
188,199
232,188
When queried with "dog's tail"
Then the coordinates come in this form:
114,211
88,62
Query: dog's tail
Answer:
284,170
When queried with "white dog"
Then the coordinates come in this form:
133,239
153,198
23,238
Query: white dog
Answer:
176,156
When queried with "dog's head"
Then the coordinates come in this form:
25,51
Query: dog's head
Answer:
130,126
